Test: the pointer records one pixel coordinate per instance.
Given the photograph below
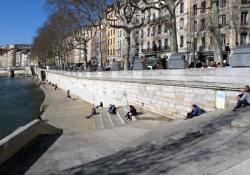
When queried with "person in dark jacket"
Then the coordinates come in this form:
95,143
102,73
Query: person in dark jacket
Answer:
93,112
112,109
100,105
196,111
131,112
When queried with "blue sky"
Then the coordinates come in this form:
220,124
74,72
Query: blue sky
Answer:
19,20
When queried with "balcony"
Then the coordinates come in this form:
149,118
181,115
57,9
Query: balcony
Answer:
156,50
160,19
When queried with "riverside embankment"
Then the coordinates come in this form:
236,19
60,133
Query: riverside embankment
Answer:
81,141
166,92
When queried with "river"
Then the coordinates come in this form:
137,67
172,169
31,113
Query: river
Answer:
20,101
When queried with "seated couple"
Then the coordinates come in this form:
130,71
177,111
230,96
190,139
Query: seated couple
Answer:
112,109
243,98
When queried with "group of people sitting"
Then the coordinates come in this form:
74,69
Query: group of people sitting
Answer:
243,98
112,110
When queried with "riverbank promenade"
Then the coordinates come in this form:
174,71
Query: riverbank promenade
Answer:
82,140
215,143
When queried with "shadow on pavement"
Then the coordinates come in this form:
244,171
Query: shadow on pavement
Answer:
160,157
27,156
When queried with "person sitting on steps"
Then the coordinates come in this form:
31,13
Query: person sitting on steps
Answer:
112,109
132,111
243,99
93,112
196,111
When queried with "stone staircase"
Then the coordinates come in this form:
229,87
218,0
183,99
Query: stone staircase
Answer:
105,120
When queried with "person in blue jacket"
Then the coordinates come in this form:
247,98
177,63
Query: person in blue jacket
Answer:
196,111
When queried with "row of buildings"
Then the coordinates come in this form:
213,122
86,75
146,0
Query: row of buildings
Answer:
152,39
15,55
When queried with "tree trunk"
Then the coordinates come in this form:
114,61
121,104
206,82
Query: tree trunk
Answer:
215,31
126,61
173,33
85,54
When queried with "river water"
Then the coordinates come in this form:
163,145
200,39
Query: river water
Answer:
20,101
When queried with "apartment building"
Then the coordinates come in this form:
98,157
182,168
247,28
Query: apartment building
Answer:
154,36
15,55
112,39
233,23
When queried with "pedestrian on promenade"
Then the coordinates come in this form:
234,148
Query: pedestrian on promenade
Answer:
196,111
68,95
243,99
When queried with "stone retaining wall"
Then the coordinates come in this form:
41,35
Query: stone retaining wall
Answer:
14,142
166,92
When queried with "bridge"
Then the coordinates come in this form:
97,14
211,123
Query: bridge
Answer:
11,70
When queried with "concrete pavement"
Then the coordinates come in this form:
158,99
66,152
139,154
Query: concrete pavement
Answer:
81,141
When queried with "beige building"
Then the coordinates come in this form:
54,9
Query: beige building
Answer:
233,23
15,55
154,36
111,39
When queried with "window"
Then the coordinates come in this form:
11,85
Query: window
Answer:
195,43
154,46
223,39
223,3
142,20
148,31
148,45
195,9
203,42
159,29
160,45
142,34
154,17
166,43
165,28
203,24
181,23
203,7
244,2
243,38
182,7
222,21
244,18
153,31
181,41
195,26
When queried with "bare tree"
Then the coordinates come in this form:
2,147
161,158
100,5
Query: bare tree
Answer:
214,29
86,17
122,15
170,6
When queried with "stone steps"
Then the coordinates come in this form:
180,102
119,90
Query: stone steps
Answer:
106,120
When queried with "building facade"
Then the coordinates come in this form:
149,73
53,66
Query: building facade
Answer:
233,23
15,55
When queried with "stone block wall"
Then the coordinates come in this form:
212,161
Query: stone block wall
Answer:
172,100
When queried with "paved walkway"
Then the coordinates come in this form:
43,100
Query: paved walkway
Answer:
81,142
